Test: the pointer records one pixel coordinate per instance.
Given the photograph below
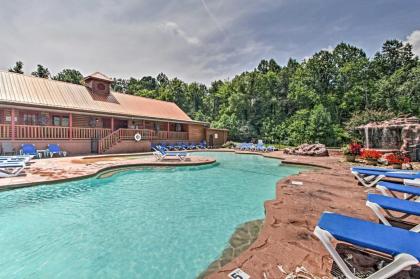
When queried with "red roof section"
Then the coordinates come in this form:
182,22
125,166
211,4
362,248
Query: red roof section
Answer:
29,90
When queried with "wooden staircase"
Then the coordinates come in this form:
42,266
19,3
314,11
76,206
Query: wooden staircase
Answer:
122,134
108,141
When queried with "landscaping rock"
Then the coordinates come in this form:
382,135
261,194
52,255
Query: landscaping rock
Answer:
306,149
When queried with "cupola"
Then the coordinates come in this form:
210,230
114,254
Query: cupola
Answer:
98,83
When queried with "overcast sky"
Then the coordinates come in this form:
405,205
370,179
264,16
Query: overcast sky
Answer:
195,40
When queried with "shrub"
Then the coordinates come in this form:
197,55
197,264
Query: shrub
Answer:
353,148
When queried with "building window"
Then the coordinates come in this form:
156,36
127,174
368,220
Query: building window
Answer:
29,119
56,120
156,127
101,86
62,121
44,118
65,121
178,127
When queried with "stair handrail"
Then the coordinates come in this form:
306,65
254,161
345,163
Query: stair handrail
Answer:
106,142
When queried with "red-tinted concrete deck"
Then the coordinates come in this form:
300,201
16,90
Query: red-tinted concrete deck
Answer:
286,240
61,169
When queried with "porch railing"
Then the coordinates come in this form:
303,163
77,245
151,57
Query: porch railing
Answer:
41,132
128,134
88,133
5,131
56,132
165,135
51,132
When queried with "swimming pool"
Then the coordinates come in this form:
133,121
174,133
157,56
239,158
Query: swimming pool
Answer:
149,223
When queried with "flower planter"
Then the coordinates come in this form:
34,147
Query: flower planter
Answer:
350,158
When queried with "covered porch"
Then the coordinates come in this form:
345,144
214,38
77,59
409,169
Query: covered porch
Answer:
37,124
19,124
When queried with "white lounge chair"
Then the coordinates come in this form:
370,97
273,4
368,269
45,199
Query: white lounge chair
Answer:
17,158
161,154
402,245
380,204
410,189
11,169
370,177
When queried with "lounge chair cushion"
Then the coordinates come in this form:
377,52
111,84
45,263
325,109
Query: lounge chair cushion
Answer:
412,190
393,174
385,239
378,169
395,204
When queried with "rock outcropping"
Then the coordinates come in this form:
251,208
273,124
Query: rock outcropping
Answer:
308,150
401,133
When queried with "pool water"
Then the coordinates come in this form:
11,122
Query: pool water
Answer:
148,223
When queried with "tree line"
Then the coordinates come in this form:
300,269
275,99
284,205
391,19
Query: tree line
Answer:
320,99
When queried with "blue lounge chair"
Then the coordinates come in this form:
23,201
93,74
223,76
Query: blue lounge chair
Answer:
11,169
29,149
55,149
161,154
192,146
152,146
410,192
271,148
379,204
373,169
401,244
171,147
203,143
260,148
369,178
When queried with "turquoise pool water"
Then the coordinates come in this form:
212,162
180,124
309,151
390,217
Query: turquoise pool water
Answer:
146,223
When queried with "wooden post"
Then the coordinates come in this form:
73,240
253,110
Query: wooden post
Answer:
112,124
71,126
13,124
167,134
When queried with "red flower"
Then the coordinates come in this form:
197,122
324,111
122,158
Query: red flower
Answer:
355,148
397,158
371,154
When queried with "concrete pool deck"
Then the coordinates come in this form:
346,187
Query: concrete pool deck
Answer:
54,170
286,242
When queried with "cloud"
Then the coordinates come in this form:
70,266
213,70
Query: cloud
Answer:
215,20
193,40
414,40
176,30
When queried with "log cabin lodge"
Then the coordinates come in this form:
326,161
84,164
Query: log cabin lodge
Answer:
91,118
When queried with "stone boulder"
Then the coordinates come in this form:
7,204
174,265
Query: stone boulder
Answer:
308,150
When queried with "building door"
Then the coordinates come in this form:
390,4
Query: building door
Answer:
118,123
211,140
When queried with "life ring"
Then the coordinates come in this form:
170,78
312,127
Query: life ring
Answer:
137,137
